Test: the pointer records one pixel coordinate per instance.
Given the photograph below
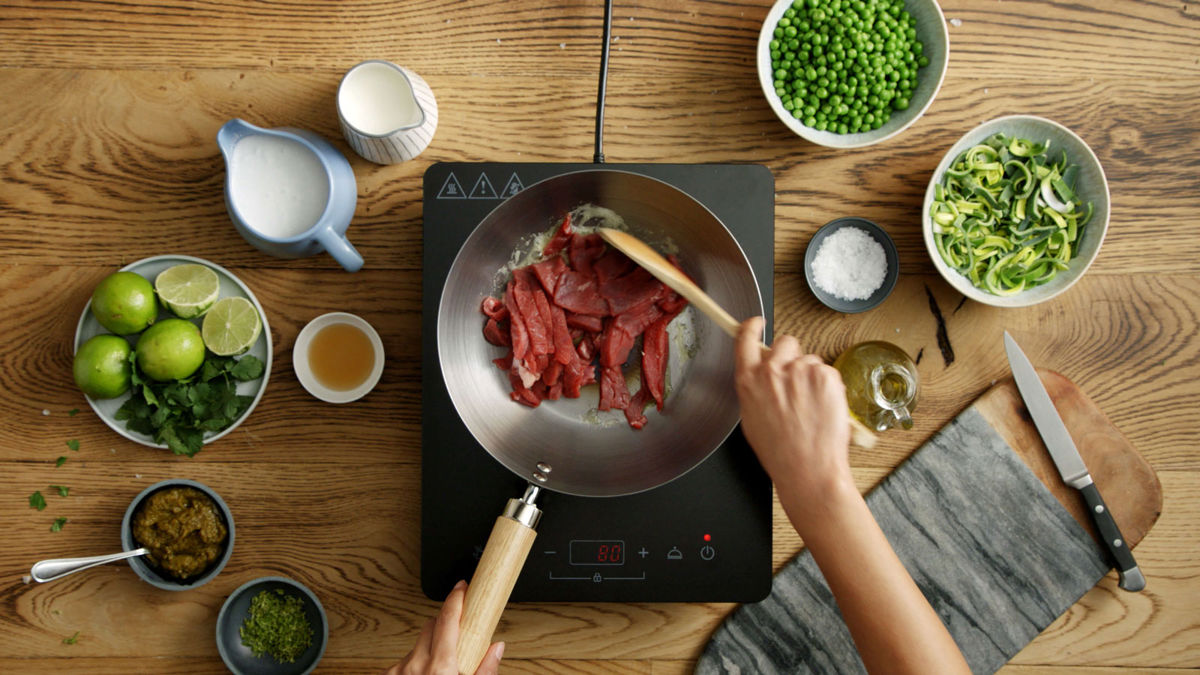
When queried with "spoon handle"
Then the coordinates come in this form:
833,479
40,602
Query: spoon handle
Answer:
49,570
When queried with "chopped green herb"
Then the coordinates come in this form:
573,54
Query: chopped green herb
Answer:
276,625
73,444
59,462
72,412
37,501
62,490
71,640
178,414
57,526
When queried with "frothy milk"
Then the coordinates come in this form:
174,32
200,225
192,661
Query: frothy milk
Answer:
377,99
279,186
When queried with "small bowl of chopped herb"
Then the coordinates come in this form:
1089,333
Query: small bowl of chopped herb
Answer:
851,73
851,265
272,626
1016,211
188,530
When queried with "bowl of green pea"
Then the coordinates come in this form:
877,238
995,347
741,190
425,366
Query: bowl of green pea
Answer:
852,73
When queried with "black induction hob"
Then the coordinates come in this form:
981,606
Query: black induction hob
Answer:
705,537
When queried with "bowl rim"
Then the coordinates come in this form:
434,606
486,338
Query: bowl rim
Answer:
825,138
223,616
144,571
890,252
1032,296
304,372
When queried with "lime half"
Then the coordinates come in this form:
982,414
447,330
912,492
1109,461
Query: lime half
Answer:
188,290
231,326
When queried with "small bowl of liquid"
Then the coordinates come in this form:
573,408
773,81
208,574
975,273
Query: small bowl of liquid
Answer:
338,357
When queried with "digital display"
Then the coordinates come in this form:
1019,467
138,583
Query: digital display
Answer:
597,552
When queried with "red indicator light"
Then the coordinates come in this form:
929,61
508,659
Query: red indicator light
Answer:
708,537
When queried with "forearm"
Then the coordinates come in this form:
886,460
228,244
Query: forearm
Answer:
893,626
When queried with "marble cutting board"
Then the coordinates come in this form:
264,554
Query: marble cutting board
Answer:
999,558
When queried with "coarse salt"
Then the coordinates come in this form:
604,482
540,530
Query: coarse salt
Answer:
849,264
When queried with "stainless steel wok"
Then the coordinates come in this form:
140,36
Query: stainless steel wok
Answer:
558,445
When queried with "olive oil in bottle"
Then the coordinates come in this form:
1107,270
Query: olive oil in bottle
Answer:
881,384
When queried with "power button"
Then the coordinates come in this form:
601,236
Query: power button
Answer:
707,552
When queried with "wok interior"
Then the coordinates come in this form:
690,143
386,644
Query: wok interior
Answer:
586,457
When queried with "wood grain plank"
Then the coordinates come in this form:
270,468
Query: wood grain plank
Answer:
493,37
127,166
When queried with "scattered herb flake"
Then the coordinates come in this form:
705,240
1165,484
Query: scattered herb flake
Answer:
73,444
59,462
37,501
74,638
57,526
276,625
72,412
62,490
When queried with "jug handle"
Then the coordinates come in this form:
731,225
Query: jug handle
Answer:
341,249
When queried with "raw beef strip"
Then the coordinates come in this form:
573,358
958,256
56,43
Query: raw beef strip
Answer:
577,293
539,334
560,239
496,335
494,309
633,289
520,337
611,265
591,324
584,251
548,273
654,359
635,413
614,394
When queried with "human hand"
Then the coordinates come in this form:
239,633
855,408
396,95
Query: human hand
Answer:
794,415
435,651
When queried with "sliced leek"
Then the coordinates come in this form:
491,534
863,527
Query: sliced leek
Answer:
1006,215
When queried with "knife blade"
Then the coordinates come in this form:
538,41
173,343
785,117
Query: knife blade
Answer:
1070,465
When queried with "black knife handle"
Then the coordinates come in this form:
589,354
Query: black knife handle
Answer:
1131,578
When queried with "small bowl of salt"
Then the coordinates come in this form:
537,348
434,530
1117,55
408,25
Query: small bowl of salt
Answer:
851,265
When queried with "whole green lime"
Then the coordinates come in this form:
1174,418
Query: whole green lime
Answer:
102,368
124,303
171,349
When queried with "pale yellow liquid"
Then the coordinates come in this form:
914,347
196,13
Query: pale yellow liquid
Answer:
341,356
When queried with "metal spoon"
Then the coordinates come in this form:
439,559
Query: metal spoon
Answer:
49,570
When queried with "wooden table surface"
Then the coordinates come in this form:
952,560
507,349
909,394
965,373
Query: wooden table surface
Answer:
107,156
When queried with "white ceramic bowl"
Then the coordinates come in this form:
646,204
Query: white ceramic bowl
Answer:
931,31
1090,185
231,287
304,370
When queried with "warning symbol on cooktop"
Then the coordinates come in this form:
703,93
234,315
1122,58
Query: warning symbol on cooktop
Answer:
452,189
512,187
483,189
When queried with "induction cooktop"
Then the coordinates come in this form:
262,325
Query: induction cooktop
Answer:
704,537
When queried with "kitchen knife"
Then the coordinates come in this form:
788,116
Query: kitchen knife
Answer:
1070,464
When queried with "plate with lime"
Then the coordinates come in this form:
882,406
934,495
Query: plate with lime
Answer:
173,352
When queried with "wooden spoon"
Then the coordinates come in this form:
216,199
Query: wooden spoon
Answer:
664,271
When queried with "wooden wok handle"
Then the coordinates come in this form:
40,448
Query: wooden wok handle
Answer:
507,548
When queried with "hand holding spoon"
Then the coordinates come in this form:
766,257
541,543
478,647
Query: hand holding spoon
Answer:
664,271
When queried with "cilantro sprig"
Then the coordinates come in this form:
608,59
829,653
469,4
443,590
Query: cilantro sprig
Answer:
178,414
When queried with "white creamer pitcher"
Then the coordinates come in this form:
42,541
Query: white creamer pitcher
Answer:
388,113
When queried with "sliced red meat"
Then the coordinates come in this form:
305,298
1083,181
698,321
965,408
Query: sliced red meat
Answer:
611,265
504,362
523,294
578,293
555,391
584,251
520,392
614,345
520,337
591,324
560,239
496,335
614,394
635,412
553,373
564,347
635,288
655,346
494,309
548,273
672,303
586,349
637,318
577,375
